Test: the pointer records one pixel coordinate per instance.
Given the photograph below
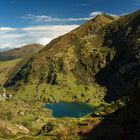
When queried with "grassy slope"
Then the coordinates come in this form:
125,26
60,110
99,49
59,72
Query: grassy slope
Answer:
100,53
11,59
5,68
60,66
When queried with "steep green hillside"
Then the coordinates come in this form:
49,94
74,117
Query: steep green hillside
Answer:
67,65
5,67
10,59
101,55
20,52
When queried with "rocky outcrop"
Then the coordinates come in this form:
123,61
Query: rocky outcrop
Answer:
9,129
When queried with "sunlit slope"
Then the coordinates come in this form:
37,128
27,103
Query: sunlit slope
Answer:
5,68
101,54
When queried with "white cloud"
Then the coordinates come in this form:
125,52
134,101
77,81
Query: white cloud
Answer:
42,34
12,36
95,13
10,45
7,29
44,40
4,45
113,15
44,18
76,19
50,28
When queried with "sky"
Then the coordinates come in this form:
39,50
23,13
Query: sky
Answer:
39,21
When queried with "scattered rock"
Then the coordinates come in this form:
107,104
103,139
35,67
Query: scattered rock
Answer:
21,113
46,128
9,129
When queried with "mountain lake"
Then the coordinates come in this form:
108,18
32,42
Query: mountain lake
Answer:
73,109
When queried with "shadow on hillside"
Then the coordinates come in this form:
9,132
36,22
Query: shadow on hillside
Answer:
122,72
124,124
119,75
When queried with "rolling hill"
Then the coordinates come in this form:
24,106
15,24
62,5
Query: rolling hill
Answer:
9,59
20,52
5,68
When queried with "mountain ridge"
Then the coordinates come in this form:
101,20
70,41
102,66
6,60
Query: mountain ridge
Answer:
65,40
107,51
20,52
97,63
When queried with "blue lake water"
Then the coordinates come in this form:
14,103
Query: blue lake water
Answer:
70,109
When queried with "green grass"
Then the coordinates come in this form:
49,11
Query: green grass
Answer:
92,94
5,68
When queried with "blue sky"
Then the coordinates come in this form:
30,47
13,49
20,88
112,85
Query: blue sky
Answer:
39,21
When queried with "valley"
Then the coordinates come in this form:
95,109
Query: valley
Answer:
97,64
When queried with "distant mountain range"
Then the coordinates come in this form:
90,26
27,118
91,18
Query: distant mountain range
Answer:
4,49
19,52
